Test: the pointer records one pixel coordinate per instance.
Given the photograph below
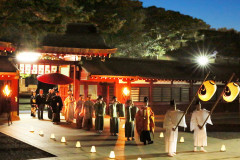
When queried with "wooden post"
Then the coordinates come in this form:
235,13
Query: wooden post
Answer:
191,101
220,96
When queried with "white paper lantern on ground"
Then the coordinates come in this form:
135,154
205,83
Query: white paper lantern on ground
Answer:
31,130
139,158
93,149
41,133
161,135
52,136
207,90
63,140
231,92
78,144
181,140
112,155
223,148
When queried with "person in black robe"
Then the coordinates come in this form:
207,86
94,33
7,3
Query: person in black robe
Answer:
114,111
33,103
57,105
131,111
100,107
41,101
48,102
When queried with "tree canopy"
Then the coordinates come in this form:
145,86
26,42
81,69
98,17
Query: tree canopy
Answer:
125,24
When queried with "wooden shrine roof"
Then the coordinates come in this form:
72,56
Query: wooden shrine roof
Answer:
156,69
81,39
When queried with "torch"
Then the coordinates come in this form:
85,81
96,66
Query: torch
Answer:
7,93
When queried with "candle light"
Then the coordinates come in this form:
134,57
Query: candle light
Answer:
63,140
93,149
161,135
31,130
223,148
78,144
112,155
182,140
52,136
41,133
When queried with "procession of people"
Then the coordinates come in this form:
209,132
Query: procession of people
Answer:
139,118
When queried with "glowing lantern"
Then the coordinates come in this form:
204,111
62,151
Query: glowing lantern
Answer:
223,148
161,135
112,155
182,140
41,133
6,91
31,130
78,145
93,149
126,91
231,92
123,126
139,158
52,136
207,90
63,140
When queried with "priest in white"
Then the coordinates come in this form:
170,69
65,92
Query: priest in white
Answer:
200,134
171,120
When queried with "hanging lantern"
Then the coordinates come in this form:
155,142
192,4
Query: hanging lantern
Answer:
182,140
161,135
78,144
223,148
231,92
112,155
126,91
93,149
207,90
123,126
63,140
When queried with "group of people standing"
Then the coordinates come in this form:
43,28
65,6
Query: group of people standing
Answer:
141,117
173,119
85,111
52,100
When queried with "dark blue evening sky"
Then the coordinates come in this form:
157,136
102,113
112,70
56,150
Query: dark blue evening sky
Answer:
217,13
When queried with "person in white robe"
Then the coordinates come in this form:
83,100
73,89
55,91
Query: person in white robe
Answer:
171,120
200,133
70,104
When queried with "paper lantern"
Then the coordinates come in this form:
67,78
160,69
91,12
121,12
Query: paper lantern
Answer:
52,136
63,140
93,149
182,140
207,90
139,158
123,126
161,135
41,133
112,155
223,148
31,130
231,92
78,144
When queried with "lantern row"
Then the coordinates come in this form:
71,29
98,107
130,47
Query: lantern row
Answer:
209,88
37,69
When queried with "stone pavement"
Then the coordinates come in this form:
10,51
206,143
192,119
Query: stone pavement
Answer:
105,143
